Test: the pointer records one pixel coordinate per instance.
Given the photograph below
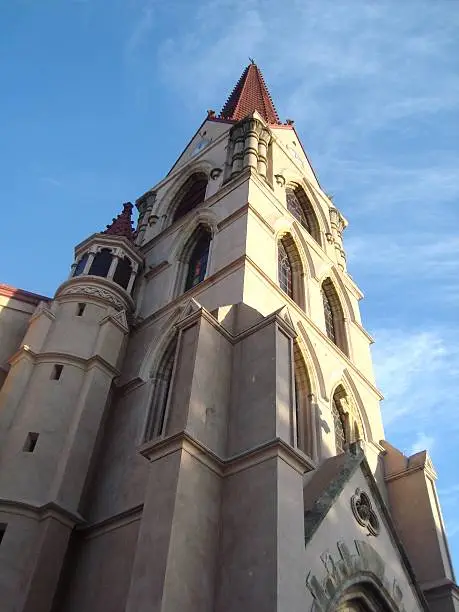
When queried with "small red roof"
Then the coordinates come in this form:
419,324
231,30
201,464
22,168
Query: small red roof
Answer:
249,95
122,225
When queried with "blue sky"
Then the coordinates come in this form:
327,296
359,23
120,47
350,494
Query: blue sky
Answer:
98,99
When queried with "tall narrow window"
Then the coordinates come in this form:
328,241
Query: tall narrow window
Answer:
285,272
197,263
334,316
161,392
30,442
300,207
101,263
294,206
56,371
305,428
81,265
2,531
192,193
123,271
339,424
329,317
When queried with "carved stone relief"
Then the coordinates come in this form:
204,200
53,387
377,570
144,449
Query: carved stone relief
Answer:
348,569
364,513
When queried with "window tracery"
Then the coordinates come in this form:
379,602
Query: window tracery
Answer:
284,270
300,207
197,264
334,316
339,425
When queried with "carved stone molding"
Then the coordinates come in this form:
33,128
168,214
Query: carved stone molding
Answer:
280,179
97,292
364,513
215,173
347,569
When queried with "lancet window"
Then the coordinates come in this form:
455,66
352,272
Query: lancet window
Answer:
290,269
192,193
198,261
305,429
284,270
333,315
339,424
300,207
162,387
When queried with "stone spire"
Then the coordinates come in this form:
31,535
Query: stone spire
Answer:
249,95
122,225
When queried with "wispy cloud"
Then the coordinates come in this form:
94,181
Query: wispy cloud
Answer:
138,35
51,181
422,442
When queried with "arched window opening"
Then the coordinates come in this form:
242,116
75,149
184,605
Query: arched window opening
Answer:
81,265
162,388
101,263
339,424
285,270
329,318
123,272
197,263
192,193
333,315
305,429
290,270
300,207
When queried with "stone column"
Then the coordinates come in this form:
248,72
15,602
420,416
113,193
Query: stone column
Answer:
252,128
265,138
91,256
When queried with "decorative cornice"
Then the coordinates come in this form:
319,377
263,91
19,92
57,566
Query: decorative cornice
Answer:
21,295
64,358
97,288
43,511
225,466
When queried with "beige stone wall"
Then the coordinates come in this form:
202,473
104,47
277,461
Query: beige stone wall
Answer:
16,308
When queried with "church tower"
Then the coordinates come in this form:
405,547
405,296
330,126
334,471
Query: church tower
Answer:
193,422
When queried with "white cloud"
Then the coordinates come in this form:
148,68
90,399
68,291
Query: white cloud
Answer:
422,442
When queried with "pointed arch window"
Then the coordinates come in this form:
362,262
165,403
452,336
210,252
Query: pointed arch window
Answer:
305,428
285,270
334,316
162,388
191,195
339,424
300,207
290,270
198,261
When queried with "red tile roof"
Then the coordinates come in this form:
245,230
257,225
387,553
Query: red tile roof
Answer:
249,95
23,296
122,225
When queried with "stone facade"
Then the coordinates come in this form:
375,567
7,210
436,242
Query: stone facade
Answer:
192,422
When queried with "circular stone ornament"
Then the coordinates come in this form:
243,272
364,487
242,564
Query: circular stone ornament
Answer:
364,513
